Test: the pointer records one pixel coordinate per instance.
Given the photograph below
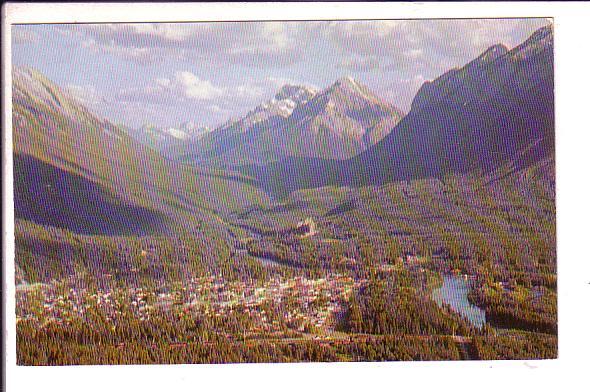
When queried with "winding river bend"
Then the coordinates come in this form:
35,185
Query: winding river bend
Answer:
453,292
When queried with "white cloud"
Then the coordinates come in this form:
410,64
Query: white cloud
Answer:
250,91
186,93
424,44
183,85
194,88
251,44
398,43
164,82
216,109
137,55
394,57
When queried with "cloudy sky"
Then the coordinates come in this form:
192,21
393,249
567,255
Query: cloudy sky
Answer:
207,73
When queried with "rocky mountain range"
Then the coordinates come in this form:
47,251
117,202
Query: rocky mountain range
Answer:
337,123
495,111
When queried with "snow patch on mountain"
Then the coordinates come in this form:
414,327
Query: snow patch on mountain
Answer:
282,104
176,133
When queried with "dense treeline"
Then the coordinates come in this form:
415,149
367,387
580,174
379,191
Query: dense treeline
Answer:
79,345
516,345
513,298
390,307
217,350
396,348
45,254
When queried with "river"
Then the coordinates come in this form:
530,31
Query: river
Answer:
267,262
453,292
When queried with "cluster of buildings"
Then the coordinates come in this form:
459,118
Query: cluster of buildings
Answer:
298,302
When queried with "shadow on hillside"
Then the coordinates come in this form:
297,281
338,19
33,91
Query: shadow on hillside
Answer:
48,195
279,179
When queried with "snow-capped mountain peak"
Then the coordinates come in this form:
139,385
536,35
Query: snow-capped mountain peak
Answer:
284,102
295,93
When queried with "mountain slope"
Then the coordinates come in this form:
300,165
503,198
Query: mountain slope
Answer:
76,171
476,117
495,111
338,122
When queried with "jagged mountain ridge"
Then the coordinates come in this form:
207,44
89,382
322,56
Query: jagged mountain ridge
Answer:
348,114
479,117
214,146
337,122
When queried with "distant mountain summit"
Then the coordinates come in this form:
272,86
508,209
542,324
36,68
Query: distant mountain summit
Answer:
282,105
338,122
226,144
349,114
296,94
169,141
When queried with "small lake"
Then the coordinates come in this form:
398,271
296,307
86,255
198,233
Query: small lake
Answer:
453,292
